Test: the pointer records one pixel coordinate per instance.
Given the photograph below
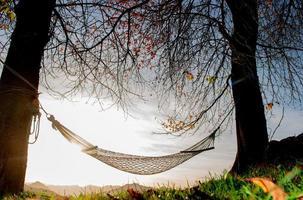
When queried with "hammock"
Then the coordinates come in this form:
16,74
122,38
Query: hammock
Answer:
143,165
135,164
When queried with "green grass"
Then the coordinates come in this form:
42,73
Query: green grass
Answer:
224,186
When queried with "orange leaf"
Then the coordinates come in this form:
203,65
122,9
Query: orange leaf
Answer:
269,106
269,187
189,76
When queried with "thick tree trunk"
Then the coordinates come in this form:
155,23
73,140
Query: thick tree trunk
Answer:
251,127
16,96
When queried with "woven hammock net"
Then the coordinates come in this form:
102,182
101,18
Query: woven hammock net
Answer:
135,164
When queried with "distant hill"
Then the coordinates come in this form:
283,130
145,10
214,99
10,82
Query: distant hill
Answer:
38,187
71,190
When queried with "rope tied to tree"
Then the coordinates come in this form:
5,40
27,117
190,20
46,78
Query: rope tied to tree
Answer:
35,104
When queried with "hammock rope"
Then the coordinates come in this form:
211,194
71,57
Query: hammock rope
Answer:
135,164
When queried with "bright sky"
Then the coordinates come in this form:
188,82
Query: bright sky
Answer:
53,160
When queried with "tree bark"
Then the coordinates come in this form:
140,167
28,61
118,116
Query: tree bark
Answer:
251,126
16,96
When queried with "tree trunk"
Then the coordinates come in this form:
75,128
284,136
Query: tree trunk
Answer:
16,96
251,127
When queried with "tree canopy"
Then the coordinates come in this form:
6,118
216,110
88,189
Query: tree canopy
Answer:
182,48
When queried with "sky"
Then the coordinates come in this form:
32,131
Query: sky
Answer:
53,160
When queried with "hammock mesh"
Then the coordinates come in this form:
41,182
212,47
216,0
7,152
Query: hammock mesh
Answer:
135,164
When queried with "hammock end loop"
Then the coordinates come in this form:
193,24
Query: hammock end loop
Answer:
52,119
